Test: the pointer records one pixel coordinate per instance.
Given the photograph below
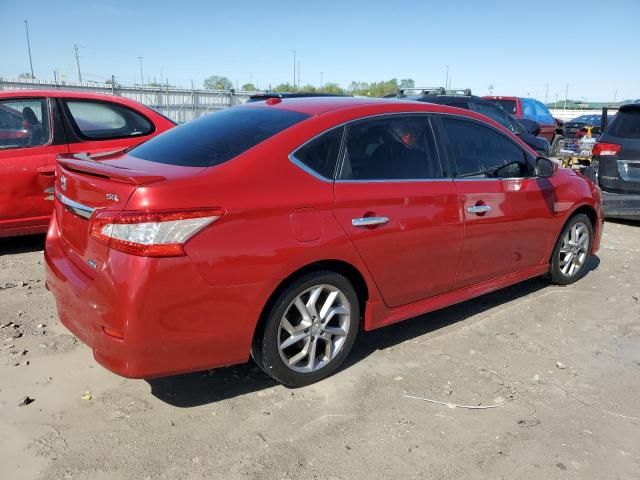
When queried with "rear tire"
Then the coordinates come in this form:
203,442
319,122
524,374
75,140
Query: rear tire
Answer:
309,330
555,145
572,251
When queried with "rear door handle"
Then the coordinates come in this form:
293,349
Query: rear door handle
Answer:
479,209
369,221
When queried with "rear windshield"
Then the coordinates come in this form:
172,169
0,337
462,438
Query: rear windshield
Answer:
626,124
508,105
217,137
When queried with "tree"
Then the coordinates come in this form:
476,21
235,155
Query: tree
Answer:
216,82
249,87
407,83
308,89
284,87
26,75
333,88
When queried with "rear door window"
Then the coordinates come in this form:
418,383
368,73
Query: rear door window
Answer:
626,124
24,123
218,137
393,148
321,154
479,151
529,109
104,120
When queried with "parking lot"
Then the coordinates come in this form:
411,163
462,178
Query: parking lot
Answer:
555,368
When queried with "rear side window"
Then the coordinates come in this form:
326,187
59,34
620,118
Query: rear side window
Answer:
104,120
542,113
393,148
24,123
215,138
481,152
495,113
508,105
529,110
626,124
321,154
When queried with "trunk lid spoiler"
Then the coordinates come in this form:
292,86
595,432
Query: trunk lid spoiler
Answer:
100,165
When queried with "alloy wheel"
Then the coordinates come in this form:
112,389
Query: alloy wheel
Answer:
574,250
314,328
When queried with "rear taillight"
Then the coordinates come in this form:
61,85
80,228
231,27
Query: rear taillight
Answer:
606,149
150,234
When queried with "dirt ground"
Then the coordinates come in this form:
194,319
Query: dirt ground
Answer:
561,364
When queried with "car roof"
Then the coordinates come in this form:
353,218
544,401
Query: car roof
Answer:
267,95
320,105
630,107
57,93
500,97
447,98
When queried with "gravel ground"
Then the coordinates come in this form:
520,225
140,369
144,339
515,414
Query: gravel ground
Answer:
560,368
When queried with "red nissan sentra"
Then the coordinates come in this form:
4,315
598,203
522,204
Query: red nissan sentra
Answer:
279,229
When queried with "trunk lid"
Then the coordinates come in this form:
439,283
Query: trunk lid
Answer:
87,184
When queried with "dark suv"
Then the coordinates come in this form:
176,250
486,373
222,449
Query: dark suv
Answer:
526,130
616,161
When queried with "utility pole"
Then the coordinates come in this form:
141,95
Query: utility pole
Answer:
546,94
78,64
321,75
566,96
294,69
26,27
491,90
141,75
113,84
298,74
446,81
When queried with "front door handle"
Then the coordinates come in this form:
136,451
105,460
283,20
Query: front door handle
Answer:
369,221
479,209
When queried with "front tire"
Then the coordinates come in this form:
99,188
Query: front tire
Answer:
309,330
572,251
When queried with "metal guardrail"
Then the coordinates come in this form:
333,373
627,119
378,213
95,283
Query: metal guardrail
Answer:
179,104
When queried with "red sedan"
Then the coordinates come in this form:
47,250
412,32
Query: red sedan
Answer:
36,126
278,229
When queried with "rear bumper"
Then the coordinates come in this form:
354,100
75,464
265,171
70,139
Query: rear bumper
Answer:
150,317
618,205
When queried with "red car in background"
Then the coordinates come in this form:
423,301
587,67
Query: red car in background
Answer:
278,229
531,109
38,125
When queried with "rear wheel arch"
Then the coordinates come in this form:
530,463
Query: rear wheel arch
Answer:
341,267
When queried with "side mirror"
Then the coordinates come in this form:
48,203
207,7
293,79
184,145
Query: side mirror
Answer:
545,168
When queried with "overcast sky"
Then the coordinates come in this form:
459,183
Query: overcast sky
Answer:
519,47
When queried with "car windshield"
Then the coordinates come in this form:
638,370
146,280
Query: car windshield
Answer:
508,105
217,137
